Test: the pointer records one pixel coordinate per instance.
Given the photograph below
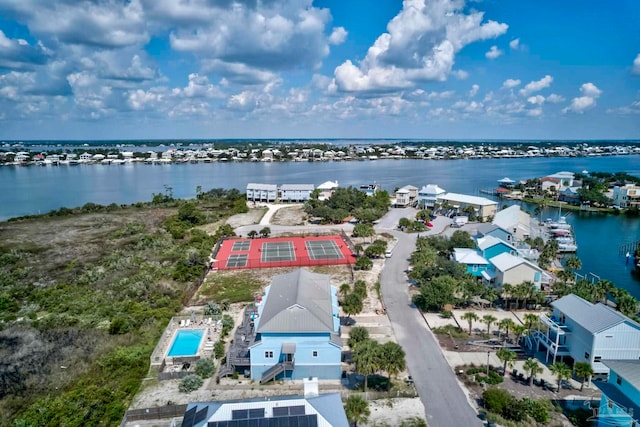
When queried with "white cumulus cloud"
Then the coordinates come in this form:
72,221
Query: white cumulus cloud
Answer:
511,83
590,93
493,52
514,44
536,85
536,100
473,91
420,45
338,36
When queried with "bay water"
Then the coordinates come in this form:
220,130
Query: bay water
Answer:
39,189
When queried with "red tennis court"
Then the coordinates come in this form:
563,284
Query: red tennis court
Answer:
235,253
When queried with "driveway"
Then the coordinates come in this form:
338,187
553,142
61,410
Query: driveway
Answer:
445,402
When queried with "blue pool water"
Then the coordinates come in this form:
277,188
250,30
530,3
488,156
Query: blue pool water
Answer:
186,343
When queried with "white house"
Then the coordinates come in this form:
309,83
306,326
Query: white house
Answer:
428,195
586,332
326,189
406,195
627,196
515,221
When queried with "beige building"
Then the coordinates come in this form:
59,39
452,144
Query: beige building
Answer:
483,207
513,270
516,221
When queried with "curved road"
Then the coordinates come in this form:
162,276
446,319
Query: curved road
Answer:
444,400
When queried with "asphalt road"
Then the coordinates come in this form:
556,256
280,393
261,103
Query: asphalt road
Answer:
444,400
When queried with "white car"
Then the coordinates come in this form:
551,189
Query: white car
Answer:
388,254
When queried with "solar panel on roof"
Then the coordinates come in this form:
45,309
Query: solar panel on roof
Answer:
281,411
256,413
189,417
200,415
239,414
296,410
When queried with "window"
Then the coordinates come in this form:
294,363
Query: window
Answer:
314,353
597,358
268,354
586,355
610,403
475,268
618,380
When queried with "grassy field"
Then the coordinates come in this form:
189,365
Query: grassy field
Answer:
85,294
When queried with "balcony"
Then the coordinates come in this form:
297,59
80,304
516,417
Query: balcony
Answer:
555,325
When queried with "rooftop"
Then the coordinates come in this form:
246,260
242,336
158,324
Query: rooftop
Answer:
470,200
299,301
593,317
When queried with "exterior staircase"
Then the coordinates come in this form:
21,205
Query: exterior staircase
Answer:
275,370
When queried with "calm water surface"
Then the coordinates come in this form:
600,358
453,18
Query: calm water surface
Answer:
29,190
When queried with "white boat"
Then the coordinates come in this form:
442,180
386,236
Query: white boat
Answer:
567,247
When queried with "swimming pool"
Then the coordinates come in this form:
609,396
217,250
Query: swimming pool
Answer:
186,343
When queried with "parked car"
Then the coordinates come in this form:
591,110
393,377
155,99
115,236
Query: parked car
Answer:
388,253
428,224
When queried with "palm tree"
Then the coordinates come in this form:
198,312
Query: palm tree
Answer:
533,368
506,292
518,330
358,248
561,371
526,289
252,234
357,410
392,359
366,357
470,317
573,263
507,357
584,371
345,288
530,319
506,324
605,287
488,319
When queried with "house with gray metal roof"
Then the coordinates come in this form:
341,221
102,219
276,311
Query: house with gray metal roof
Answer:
620,400
586,332
261,192
295,192
297,329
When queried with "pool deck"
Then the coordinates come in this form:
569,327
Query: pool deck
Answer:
211,334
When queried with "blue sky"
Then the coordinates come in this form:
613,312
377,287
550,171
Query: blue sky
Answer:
432,69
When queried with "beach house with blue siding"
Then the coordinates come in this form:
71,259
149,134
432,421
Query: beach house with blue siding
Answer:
487,229
474,261
620,400
586,332
297,329
490,247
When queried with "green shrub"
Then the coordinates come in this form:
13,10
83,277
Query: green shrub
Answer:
218,350
515,410
363,263
360,289
205,368
495,399
190,383
537,409
119,326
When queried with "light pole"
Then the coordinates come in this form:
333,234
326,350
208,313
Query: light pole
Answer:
488,354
